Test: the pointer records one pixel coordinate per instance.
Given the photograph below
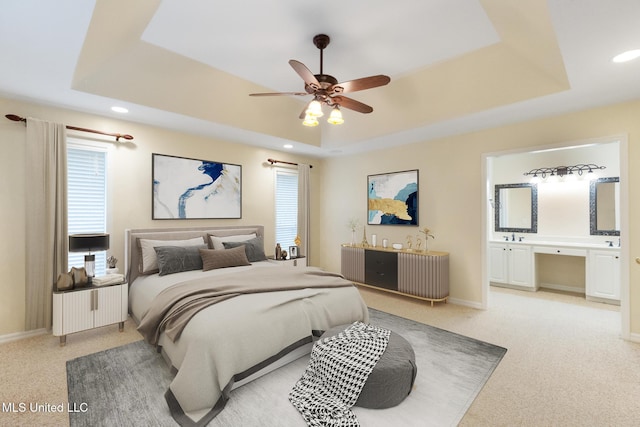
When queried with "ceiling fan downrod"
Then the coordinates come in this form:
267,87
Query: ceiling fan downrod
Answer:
321,41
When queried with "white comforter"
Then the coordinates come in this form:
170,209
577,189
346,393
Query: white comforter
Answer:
237,334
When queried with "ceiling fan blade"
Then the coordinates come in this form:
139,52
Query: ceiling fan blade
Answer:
302,70
279,94
361,84
351,104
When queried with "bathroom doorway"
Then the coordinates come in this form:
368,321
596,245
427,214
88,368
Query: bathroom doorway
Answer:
561,254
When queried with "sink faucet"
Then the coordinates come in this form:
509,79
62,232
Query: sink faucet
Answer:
610,242
513,237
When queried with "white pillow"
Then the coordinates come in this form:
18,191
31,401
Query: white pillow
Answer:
216,241
149,260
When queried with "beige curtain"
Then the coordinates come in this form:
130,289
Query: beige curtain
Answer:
46,234
304,208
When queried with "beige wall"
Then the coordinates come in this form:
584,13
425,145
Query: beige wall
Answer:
451,191
129,187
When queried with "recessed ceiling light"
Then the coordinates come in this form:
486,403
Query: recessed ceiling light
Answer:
288,146
119,110
627,56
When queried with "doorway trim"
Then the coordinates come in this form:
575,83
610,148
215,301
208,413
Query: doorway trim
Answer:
623,149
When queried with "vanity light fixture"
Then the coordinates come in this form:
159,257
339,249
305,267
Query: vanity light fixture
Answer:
562,171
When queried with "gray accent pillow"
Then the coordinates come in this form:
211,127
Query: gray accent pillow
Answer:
254,248
215,258
174,259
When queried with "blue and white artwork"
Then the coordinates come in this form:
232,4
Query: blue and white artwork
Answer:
393,198
195,189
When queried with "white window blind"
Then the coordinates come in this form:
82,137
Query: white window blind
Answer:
286,207
87,197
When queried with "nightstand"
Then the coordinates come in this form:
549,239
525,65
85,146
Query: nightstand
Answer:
301,261
89,307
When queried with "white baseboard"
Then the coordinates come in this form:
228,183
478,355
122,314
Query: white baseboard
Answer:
633,337
464,302
563,288
21,335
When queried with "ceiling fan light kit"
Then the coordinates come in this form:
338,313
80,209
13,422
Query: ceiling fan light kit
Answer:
314,109
326,90
335,118
310,121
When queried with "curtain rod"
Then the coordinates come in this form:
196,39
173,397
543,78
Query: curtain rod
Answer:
117,136
272,161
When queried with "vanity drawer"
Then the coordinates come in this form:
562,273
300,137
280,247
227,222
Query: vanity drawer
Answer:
555,250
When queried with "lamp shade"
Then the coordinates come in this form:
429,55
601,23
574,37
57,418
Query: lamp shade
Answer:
310,121
335,118
88,242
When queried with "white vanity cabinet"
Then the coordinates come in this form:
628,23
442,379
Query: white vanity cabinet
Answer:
511,264
603,280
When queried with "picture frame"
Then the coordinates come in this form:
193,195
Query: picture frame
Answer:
186,188
392,198
293,252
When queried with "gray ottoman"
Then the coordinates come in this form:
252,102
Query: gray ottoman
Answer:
392,378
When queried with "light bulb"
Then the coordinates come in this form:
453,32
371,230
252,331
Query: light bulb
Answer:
335,118
310,121
314,109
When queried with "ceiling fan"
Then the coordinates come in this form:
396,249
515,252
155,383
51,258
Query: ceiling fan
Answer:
327,90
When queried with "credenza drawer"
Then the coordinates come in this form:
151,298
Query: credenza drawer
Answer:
381,269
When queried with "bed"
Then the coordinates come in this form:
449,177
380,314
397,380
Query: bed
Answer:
228,322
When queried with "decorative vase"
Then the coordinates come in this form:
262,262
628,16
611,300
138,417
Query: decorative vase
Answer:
353,237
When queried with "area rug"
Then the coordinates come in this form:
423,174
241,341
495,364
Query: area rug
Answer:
125,385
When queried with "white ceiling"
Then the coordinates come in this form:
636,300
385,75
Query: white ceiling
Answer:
455,65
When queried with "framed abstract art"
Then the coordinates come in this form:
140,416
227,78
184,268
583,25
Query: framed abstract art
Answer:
186,188
392,198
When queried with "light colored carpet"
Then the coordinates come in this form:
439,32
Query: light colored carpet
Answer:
124,385
566,364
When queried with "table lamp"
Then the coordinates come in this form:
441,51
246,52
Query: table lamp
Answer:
89,243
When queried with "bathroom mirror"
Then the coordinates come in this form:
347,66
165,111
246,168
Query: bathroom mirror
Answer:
516,208
604,206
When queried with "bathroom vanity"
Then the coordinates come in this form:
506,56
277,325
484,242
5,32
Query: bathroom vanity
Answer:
513,264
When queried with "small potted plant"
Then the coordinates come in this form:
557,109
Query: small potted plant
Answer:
111,264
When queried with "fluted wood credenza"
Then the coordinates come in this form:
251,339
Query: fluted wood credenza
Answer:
418,274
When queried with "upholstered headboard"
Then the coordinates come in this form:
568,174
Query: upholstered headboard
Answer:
131,237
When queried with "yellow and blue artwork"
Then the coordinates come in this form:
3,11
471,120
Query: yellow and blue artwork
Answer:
392,198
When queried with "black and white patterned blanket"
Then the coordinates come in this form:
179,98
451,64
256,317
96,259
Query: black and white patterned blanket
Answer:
337,371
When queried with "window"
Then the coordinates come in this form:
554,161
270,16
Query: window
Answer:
87,196
286,207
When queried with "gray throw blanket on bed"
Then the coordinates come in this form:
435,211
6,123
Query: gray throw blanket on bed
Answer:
337,372
172,308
